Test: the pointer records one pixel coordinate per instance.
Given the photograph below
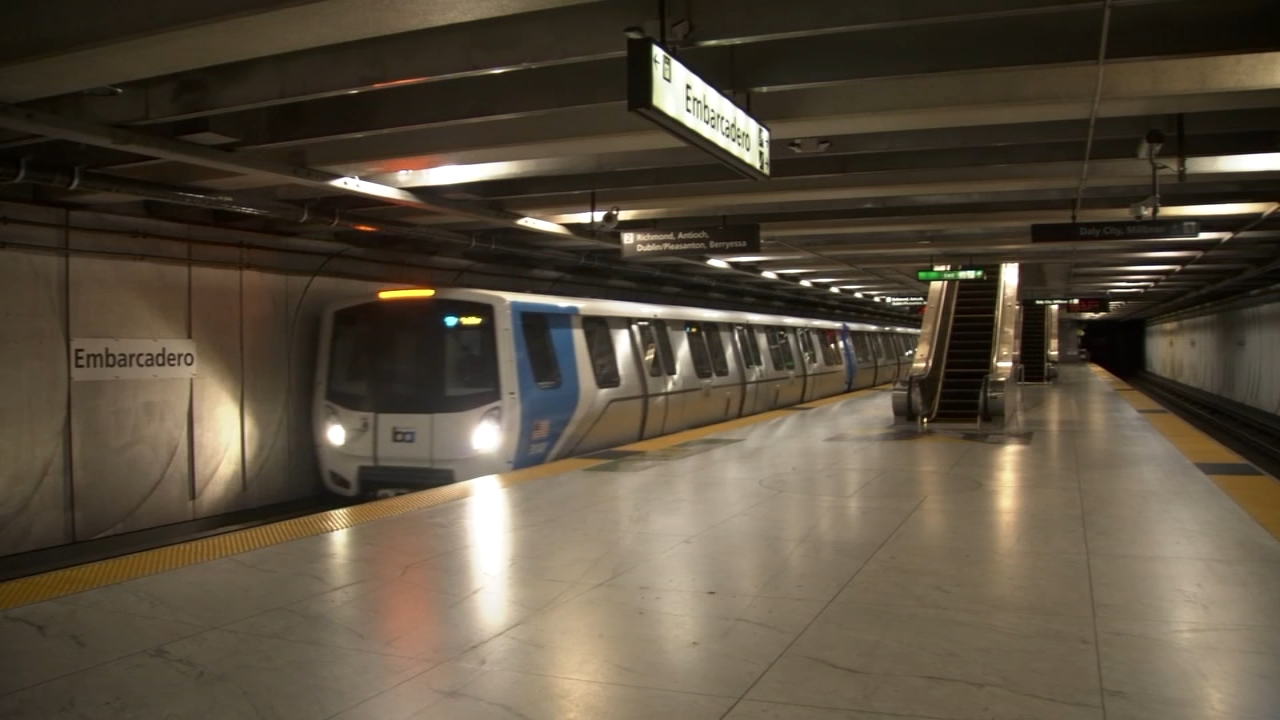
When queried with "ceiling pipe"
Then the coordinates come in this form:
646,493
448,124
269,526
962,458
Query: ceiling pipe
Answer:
1093,111
14,171
55,126
23,119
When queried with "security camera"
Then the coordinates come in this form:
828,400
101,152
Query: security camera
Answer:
1150,144
1143,210
609,220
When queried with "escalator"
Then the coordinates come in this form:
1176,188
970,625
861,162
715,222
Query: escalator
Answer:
1035,356
969,348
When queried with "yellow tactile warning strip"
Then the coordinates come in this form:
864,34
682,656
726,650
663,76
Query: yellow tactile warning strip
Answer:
1258,495
68,581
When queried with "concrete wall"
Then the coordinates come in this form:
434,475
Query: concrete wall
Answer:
1231,353
83,460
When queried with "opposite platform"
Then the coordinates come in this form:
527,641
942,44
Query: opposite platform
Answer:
817,565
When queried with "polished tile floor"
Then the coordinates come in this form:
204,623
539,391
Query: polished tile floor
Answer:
823,568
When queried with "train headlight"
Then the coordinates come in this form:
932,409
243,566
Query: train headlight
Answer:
334,431
335,434
487,435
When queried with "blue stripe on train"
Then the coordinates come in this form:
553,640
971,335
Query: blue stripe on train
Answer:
850,362
544,412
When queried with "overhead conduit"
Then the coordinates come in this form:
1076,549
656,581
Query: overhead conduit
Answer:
12,171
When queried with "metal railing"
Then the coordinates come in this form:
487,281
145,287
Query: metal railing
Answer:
916,398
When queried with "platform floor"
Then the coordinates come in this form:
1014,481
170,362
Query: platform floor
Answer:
818,566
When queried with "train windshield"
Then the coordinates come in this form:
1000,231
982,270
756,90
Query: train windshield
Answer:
413,357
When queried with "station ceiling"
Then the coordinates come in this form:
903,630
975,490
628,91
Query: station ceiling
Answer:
906,134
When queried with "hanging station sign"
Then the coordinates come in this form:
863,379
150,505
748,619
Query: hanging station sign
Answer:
112,359
683,104
735,239
1077,305
930,275
1123,230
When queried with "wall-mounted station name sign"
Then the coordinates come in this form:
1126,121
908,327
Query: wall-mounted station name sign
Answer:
691,241
112,359
683,104
1124,230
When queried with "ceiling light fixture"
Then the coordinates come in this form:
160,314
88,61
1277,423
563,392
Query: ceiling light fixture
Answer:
806,283
769,274
717,262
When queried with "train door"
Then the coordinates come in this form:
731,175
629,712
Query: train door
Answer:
612,393
658,368
790,386
812,371
750,362
886,364
718,394
864,359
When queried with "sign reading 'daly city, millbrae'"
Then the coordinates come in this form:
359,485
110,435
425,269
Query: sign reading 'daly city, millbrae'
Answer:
683,104
1078,305
691,241
1123,230
112,359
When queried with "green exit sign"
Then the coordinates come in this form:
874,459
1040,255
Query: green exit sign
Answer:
944,275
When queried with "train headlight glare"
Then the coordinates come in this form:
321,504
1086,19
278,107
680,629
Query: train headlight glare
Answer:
488,433
335,434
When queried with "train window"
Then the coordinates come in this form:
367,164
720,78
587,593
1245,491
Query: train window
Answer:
413,357
862,349
664,347
883,350
468,361
649,349
697,339
350,360
900,344
774,339
748,345
604,360
830,340
542,354
780,349
715,344
806,347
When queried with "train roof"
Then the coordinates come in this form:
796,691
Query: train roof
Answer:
619,308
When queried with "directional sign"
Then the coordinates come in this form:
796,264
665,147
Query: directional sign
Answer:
683,104
1124,230
735,239
1090,305
944,275
1077,305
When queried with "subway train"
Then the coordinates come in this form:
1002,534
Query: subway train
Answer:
417,388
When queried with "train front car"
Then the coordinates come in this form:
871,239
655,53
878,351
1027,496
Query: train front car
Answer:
409,392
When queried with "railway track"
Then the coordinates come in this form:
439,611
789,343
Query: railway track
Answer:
1252,433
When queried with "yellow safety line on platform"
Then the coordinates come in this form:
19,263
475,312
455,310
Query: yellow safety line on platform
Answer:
1258,495
71,580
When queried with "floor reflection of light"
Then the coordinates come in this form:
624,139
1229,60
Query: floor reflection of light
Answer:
489,544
